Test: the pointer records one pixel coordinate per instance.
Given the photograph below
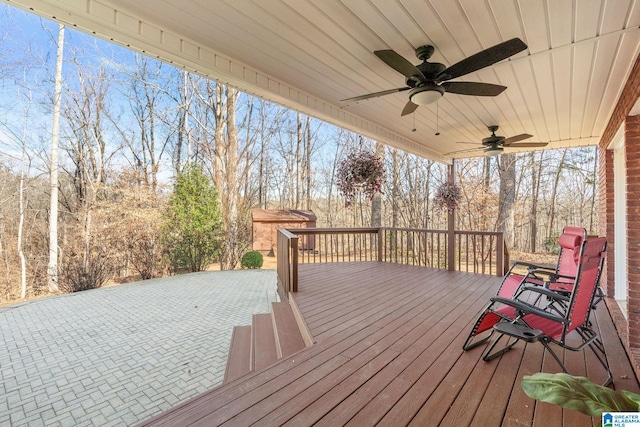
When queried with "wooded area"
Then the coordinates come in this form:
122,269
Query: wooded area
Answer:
130,124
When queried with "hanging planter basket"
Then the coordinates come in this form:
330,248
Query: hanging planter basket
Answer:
448,196
361,171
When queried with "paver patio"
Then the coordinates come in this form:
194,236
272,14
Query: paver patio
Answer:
118,355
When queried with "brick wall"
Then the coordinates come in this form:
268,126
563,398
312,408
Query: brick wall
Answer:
632,161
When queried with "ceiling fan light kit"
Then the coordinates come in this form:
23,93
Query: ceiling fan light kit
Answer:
492,151
427,94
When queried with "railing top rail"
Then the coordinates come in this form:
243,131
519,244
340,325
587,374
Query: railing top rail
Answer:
362,230
479,233
420,230
287,233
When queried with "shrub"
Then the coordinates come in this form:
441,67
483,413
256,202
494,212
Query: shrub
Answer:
78,274
252,259
551,245
192,223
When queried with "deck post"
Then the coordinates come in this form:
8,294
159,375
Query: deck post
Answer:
294,264
451,237
380,243
500,255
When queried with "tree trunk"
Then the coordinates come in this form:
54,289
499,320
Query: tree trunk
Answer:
395,191
507,197
52,269
536,173
376,202
298,162
483,218
23,263
230,257
307,163
594,179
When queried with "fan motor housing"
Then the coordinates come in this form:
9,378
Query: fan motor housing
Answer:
492,140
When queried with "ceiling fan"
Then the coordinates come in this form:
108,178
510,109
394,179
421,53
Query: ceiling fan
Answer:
427,81
495,144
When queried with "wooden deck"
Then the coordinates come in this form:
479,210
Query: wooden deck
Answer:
388,352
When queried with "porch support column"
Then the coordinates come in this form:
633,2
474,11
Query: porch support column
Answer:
451,237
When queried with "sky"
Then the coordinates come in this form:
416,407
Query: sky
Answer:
27,66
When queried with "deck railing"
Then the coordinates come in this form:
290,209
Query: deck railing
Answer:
474,251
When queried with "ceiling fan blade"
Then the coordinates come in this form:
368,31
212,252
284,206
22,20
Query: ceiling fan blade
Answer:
483,59
472,88
516,138
374,95
527,145
398,63
409,108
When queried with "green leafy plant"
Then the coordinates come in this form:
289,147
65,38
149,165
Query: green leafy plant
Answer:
579,394
551,245
448,196
252,259
192,223
364,171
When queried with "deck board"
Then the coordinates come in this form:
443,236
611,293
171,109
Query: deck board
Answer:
264,341
388,351
239,359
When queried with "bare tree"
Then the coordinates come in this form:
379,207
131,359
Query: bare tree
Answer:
554,192
157,123
55,137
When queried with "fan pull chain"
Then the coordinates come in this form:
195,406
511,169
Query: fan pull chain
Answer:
414,122
437,118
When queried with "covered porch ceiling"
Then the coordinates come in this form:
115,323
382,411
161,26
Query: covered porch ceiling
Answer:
309,55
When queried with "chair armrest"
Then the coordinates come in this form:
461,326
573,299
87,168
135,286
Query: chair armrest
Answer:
546,292
525,308
530,265
551,275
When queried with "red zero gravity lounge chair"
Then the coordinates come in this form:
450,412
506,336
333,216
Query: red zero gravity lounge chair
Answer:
559,279
536,324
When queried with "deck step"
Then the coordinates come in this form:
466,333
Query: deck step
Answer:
239,358
287,333
264,343
270,337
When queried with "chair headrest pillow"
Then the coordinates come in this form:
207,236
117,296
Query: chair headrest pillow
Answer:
569,241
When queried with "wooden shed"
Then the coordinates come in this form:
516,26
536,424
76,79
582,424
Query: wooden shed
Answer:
266,223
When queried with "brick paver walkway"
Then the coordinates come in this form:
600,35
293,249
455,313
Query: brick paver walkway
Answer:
119,355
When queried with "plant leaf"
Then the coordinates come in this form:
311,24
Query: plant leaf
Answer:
633,397
577,393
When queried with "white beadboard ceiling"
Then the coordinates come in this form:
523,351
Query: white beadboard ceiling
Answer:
311,54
